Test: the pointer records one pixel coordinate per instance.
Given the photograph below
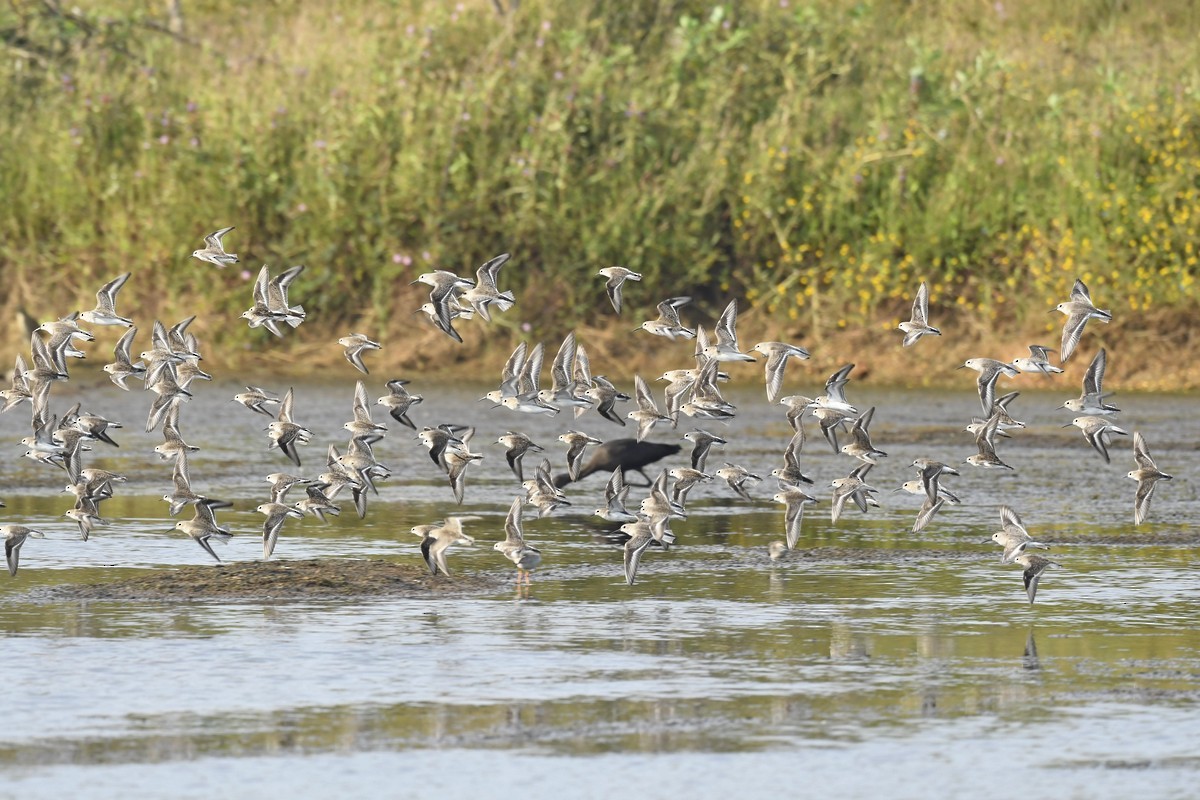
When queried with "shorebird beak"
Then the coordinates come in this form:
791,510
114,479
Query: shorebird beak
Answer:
961,366
635,330
1069,425
986,541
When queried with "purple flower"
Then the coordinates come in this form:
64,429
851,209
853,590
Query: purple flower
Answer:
301,208
194,141
397,258
244,274
164,139
425,254
320,144
526,327
192,107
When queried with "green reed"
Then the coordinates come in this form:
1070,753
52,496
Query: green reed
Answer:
815,158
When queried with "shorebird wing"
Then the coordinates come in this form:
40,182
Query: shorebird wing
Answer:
1141,501
920,309
726,328
106,298
1072,332
213,240
1009,519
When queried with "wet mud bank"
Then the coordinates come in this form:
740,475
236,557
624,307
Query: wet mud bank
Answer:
312,579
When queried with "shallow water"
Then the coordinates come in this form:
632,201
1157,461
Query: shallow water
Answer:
870,662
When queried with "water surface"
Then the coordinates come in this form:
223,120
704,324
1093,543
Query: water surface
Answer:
869,662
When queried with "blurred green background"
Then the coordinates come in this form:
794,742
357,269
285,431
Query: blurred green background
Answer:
814,159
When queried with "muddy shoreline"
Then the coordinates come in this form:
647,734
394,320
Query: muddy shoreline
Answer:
367,578
311,579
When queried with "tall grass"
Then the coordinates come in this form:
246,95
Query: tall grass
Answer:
815,158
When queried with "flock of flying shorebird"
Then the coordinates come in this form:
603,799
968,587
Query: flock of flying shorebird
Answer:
172,363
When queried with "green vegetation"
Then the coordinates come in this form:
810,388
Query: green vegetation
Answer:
816,158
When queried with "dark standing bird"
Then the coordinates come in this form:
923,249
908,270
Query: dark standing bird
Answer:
622,454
